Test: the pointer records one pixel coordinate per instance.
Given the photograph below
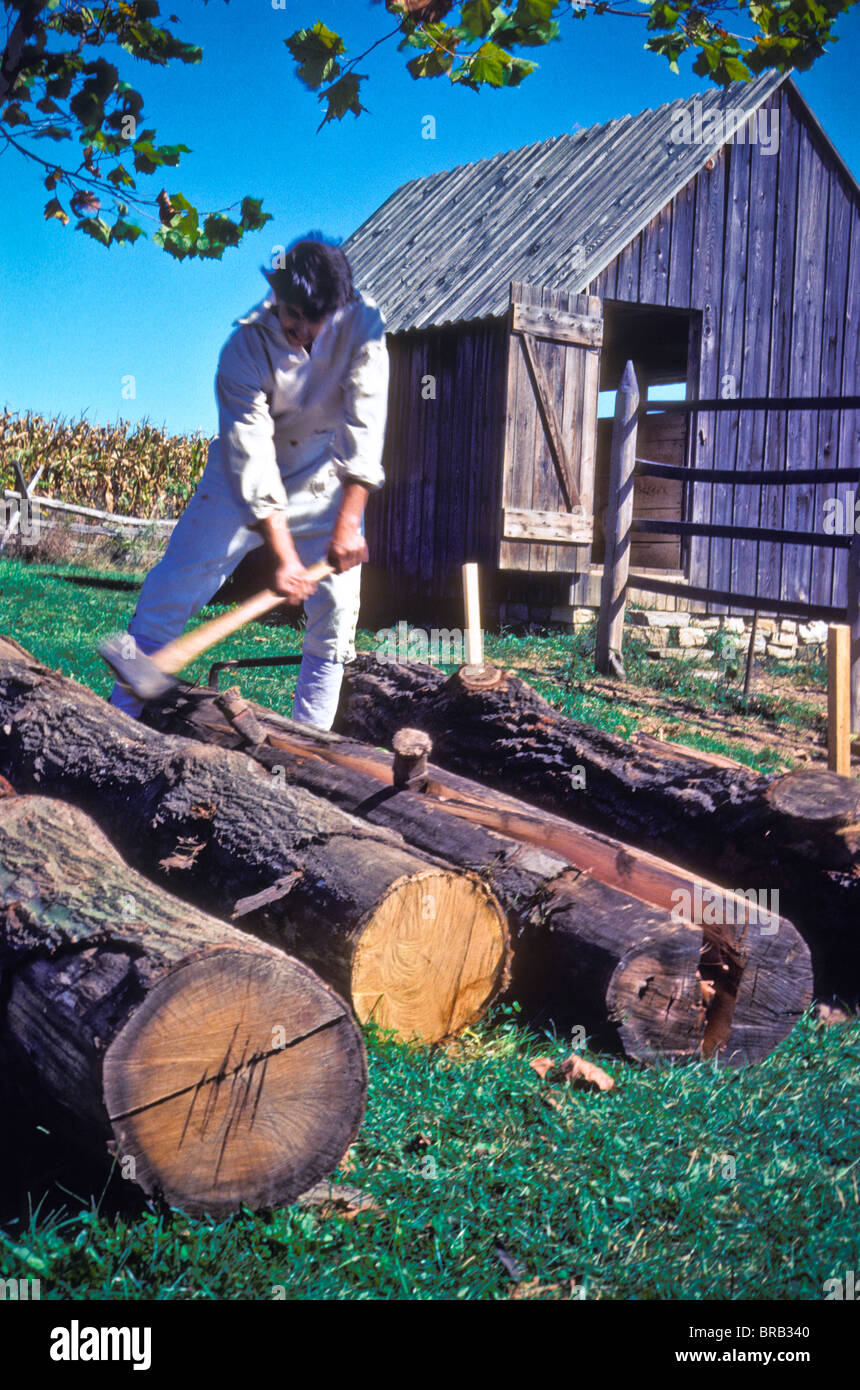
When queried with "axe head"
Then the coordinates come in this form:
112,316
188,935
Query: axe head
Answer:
134,669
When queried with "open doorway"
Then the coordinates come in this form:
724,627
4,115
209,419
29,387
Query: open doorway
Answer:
663,346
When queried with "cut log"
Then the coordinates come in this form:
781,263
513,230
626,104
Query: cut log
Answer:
415,945
604,949
796,836
222,1071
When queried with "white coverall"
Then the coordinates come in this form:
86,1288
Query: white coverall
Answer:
293,427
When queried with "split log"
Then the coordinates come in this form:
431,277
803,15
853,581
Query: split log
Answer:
796,836
602,949
415,945
218,1069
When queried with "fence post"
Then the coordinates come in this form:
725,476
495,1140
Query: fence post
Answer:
853,617
619,518
839,699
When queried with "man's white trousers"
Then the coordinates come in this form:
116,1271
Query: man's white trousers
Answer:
205,547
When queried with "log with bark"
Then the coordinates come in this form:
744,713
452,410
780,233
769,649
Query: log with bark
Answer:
796,835
218,1069
602,949
415,945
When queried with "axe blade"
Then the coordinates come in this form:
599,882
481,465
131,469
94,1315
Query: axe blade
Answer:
134,669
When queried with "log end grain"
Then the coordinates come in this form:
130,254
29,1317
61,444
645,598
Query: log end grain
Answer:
816,799
431,957
240,1079
656,999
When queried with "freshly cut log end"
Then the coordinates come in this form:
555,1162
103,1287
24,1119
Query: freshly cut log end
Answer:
432,957
220,1070
238,1080
284,864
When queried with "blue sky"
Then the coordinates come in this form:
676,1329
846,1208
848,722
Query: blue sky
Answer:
76,319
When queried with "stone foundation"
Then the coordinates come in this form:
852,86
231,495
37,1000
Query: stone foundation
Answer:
692,635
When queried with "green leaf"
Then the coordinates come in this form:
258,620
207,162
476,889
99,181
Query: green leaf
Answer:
316,51
173,243
519,69
476,17
736,70
490,65
95,227
125,231
54,208
532,13
342,96
220,229
432,64
15,115
120,177
253,218
187,221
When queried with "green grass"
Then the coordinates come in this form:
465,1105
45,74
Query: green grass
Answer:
61,622
681,1183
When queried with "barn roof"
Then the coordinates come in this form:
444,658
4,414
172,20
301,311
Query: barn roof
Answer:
445,247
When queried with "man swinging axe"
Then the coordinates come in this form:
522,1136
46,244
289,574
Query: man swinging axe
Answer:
302,391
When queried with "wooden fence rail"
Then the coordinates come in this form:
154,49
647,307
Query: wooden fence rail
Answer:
622,527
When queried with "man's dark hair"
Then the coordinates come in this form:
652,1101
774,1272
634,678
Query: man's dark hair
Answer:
315,278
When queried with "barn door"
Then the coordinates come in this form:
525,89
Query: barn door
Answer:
550,430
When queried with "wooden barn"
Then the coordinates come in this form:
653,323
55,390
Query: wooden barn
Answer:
715,242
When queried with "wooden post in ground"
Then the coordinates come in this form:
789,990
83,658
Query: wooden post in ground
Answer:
750,665
471,599
619,519
853,615
839,699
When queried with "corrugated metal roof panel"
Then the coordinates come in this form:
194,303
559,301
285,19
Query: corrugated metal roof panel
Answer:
554,213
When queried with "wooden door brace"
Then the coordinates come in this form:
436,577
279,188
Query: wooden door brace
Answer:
548,417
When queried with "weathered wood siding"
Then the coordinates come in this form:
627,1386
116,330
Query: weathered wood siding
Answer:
767,248
441,502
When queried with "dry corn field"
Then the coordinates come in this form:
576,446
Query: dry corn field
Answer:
140,471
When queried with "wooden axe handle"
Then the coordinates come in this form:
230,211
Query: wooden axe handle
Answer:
177,654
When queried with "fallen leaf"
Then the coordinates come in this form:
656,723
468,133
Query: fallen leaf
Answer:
533,1289
585,1075
830,1015
542,1065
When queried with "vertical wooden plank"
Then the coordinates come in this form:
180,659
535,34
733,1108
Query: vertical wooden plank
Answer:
546,494
832,329
746,575
708,240
805,374
426,444
681,247
655,242
849,420
627,279
520,413
731,357
839,699
589,360
772,498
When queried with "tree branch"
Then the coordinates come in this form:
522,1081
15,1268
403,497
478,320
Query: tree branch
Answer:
25,28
